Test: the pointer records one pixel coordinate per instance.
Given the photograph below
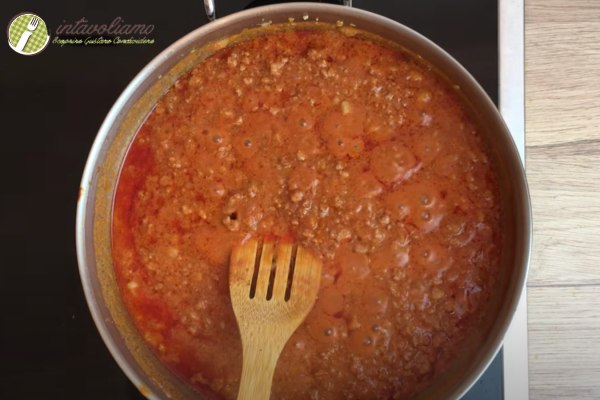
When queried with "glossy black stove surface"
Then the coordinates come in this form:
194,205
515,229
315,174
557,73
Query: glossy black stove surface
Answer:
52,105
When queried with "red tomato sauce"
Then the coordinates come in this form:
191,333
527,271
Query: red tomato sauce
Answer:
356,151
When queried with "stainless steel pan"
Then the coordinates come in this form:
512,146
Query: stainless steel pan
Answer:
123,120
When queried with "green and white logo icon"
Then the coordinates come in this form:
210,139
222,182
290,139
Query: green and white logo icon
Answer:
28,34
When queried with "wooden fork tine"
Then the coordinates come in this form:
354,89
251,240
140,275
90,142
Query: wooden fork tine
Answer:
264,269
243,259
306,278
284,257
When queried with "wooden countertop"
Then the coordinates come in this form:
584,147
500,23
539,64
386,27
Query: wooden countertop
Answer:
562,64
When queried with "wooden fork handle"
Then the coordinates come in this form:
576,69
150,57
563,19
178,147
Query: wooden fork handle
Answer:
260,360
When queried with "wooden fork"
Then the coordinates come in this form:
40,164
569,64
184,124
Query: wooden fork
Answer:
272,290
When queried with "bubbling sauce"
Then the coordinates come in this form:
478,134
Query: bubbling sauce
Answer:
358,152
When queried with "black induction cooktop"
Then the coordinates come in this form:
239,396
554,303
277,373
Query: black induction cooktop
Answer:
52,105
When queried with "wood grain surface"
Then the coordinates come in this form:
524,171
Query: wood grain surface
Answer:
562,63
